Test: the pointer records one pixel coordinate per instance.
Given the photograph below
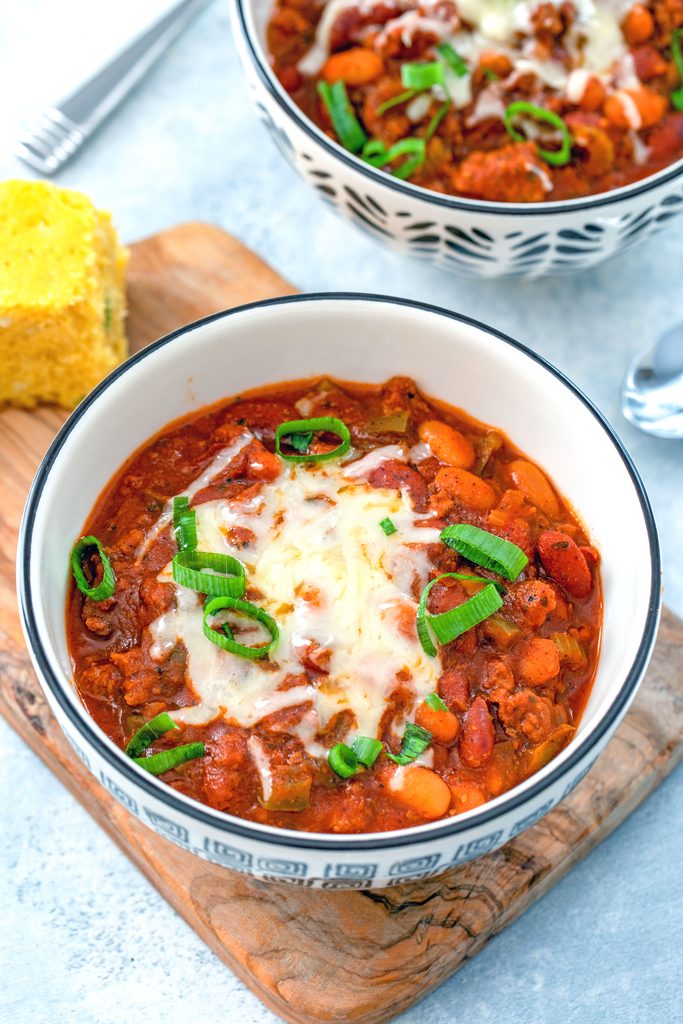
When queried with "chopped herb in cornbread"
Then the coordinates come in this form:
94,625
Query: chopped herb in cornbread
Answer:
62,294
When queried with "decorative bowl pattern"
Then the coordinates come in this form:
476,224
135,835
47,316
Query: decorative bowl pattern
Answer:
480,239
364,338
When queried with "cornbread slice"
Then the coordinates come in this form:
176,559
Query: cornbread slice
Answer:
62,294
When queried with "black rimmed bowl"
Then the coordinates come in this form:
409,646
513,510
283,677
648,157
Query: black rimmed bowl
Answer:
481,239
362,338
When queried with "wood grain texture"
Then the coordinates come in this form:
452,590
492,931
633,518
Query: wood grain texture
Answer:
282,941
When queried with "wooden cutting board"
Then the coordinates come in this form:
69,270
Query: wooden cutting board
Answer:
399,943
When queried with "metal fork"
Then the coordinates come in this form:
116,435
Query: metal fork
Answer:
61,131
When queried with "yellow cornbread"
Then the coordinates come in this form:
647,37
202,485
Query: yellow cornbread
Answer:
62,294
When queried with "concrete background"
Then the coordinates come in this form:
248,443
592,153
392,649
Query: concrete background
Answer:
84,937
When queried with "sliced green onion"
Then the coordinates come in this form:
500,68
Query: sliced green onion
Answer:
415,742
395,101
388,526
367,750
157,764
423,76
677,54
486,549
107,586
301,442
184,524
226,580
453,59
327,424
225,638
491,75
436,120
344,121
451,624
433,701
343,761
148,733
377,154
556,157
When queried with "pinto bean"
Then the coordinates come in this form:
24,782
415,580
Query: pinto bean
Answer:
538,661
565,563
529,479
395,474
422,790
358,66
465,796
635,108
638,25
443,725
447,443
478,735
465,488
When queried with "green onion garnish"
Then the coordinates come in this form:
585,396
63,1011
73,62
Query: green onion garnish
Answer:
225,638
388,526
415,742
301,442
556,157
433,701
485,549
343,761
395,101
451,624
162,762
107,586
491,75
436,120
148,733
184,524
344,121
227,578
453,59
306,428
367,750
423,76
677,54
377,154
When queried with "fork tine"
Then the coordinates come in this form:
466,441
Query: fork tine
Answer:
45,163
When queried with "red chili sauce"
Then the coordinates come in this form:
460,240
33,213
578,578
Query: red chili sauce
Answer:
511,689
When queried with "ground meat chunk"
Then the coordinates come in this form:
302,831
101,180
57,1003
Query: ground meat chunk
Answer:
512,172
526,715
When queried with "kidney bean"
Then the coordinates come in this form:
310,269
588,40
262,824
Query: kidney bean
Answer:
565,563
478,735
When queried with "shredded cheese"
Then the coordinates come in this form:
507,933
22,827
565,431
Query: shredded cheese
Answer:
331,578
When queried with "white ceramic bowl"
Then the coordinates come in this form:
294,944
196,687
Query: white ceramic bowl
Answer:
469,236
363,338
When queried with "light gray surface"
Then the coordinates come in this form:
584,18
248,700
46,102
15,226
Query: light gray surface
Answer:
84,936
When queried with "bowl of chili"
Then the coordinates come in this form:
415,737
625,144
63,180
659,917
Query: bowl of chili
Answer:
493,138
338,634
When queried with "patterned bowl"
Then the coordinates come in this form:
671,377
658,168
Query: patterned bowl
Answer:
468,236
363,338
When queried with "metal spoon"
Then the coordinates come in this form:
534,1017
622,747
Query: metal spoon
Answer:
652,392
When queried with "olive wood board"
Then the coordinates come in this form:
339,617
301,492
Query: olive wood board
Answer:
284,942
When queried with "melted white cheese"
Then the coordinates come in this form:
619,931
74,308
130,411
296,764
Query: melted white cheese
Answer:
328,575
595,42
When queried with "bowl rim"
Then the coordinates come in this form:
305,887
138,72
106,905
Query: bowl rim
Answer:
232,825
406,188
